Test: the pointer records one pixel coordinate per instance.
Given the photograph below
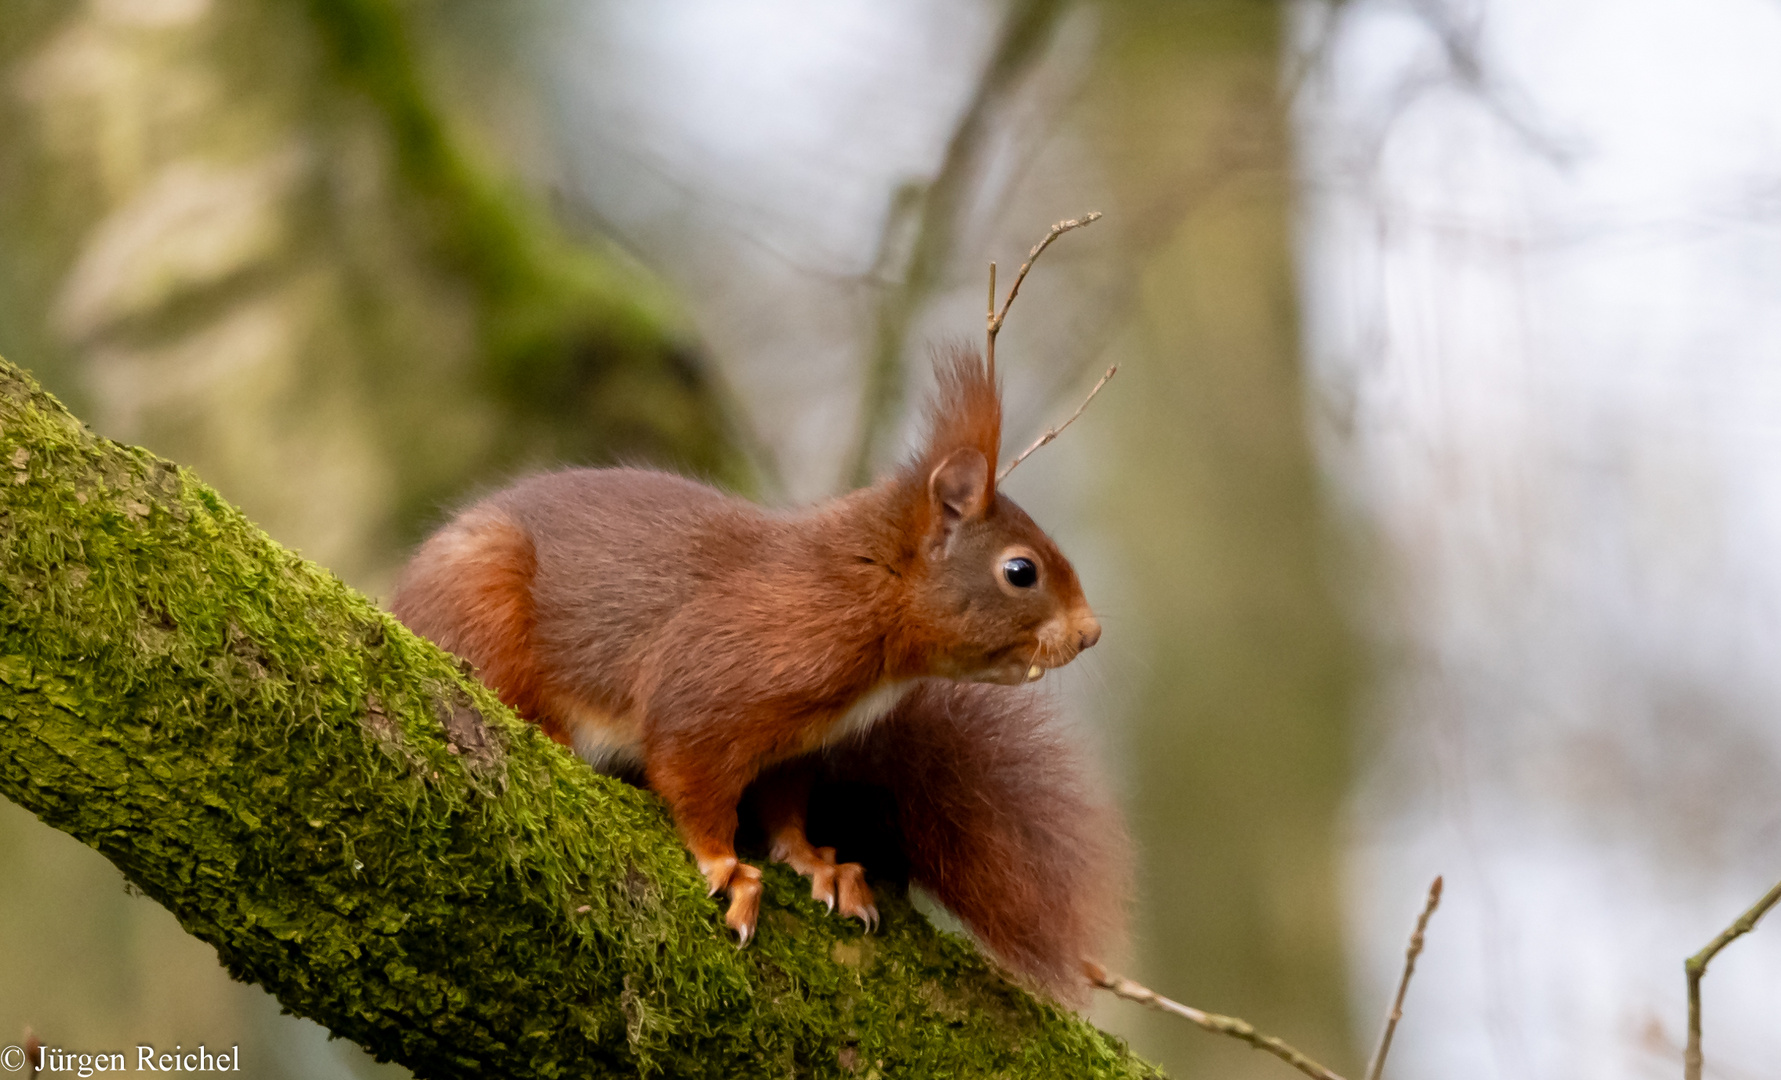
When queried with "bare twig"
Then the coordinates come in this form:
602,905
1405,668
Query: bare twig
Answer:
1052,433
994,326
1697,967
1123,987
936,214
1397,1005
33,1049
995,318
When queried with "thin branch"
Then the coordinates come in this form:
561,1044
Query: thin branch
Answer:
997,318
1697,967
1126,988
1397,1005
935,214
1057,230
989,321
1052,433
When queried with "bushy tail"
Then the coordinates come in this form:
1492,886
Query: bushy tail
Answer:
998,817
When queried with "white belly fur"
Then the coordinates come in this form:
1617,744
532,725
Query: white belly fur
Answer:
606,742
604,753
609,744
869,708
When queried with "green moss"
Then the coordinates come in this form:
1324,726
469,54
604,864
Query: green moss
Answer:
362,829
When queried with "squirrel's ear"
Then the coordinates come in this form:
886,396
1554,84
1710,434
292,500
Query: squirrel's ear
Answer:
959,489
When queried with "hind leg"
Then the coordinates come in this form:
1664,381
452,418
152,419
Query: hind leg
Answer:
784,801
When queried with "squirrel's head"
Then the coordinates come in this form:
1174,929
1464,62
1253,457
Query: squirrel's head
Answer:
994,597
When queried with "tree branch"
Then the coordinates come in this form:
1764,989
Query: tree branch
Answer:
1414,950
365,831
1697,967
1218,1024
1027,30
1052,433
995,319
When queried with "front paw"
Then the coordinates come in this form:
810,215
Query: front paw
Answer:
745,901
742,884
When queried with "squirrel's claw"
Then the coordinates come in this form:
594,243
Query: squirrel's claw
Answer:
853,896
840,886
745,902
822,885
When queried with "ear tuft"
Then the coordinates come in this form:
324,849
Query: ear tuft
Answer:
960,488
965,411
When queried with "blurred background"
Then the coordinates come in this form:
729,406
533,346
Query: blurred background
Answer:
1434,516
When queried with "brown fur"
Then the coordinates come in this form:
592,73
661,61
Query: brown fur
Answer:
646,619
475,580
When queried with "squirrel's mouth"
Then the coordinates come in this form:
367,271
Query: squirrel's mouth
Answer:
1054,643
1026,666
1009,674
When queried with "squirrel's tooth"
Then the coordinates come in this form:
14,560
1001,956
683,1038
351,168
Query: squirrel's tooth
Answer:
1034,672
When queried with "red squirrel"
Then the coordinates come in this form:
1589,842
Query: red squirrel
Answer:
653,623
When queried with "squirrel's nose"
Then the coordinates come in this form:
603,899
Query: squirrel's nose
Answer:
1088,631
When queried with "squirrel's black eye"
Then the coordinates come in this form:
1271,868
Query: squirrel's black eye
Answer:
1020,573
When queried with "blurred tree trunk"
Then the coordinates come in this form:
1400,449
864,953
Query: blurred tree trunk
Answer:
252,235
1240,750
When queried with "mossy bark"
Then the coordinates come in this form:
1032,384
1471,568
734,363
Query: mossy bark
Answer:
364,830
